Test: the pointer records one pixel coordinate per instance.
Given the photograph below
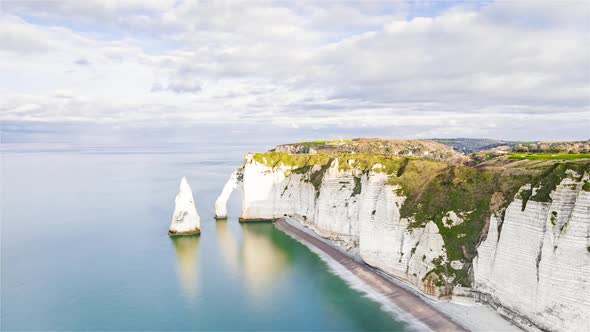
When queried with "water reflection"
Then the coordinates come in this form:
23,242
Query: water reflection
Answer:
228,244
256,256
187,260
263,261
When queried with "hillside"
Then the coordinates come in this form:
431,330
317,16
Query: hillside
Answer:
473,145
470,145
391,147
459,151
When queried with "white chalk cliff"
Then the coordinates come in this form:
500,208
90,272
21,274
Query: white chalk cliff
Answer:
185,220
536,270
234,182
367,223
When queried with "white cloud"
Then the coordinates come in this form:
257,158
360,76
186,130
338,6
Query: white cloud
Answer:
519,66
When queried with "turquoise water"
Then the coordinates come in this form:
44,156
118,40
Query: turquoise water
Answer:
84,247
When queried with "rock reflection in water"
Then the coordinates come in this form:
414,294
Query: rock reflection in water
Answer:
260,259
263,260
228,244
187,260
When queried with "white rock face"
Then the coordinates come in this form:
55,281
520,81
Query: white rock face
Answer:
368,223
235,181
185,220
538,266
536,270
452,219
387,242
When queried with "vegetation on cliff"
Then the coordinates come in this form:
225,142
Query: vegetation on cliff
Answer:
473,145
302,163
292,161
433,188
313,166
454,150
535,156
576,147
542,186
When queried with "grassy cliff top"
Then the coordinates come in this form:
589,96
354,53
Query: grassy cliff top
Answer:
362,162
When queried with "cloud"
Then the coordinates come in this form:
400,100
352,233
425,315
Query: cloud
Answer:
179,86
82,62
19,38
449,69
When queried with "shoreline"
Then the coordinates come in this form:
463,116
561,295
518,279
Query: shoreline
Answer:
468,316
405,300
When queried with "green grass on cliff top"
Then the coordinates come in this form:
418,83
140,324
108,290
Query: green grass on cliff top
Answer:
546,156
294,161
300,163
325,142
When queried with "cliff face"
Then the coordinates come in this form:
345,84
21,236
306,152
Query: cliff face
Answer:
353,204
521,242
538,267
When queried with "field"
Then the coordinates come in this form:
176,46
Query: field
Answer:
547,156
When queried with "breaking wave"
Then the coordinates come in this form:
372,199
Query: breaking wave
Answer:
357,284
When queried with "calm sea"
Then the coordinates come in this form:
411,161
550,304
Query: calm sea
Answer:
84,247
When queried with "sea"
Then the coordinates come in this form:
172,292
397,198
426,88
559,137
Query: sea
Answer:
84,247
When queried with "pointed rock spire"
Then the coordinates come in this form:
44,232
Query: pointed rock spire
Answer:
186,220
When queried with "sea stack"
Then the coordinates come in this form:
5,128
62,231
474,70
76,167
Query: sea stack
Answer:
186,220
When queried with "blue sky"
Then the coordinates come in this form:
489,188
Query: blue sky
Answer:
504,69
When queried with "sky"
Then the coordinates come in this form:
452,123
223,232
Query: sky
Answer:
407,69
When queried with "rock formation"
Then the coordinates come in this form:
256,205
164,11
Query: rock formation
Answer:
235,181
186,220
537,268
517,238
